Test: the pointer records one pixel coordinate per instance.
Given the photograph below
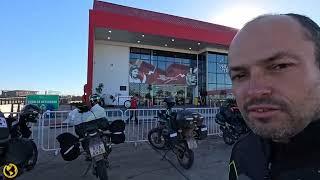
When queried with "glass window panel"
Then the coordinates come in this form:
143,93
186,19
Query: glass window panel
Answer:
154,58
154,63
170,59
212,87
222,68
212,58
145,51
145,57
228,86
178,60
227,78
220,78
162,65
226,59
162,58
135,50
134,56
212,67
168,63
212,78
221,87
220,58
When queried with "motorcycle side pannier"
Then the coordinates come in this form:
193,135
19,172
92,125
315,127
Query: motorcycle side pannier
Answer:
117,128
19,150
70,146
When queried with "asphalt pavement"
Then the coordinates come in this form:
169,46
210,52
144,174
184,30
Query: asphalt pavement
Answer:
140,161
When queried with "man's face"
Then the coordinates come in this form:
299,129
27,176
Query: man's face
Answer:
135,73
275,79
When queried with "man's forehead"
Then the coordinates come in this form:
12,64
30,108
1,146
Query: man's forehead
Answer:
264,37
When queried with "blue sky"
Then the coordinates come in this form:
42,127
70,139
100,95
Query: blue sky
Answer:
43,43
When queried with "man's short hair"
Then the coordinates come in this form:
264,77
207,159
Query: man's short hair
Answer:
312,30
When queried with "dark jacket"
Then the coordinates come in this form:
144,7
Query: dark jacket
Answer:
258,159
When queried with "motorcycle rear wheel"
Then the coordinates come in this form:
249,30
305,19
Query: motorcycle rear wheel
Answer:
186,156
102,172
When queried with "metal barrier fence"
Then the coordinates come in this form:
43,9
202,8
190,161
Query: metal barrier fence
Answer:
138,123
55,123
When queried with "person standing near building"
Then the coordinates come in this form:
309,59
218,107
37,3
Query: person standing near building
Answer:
274,63
134,107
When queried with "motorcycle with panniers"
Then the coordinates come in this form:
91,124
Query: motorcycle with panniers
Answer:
95,137
16,147
178,132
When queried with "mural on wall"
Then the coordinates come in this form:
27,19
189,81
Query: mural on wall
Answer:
180,74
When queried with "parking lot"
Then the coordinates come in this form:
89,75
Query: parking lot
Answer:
140,162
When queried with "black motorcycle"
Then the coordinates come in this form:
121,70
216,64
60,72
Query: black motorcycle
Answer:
178,132
15,144
95,137
231,124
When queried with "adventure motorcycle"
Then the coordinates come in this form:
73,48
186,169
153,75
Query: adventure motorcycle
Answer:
15,145
231,124
178,132
95,135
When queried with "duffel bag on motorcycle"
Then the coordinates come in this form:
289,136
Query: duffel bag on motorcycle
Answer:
185,119
117,128
70,146
84,127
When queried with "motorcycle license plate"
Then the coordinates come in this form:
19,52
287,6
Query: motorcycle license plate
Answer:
192,143
97,149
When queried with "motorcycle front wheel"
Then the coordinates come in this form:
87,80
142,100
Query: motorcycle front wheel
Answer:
34,158
156,139
102,172
185,155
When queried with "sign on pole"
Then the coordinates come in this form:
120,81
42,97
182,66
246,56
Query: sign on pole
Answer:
45,102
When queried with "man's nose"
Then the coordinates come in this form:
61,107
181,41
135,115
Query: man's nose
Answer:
259,86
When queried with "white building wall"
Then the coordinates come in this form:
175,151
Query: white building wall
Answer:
110,67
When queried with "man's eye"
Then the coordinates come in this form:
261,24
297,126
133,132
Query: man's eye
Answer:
237,77
279,66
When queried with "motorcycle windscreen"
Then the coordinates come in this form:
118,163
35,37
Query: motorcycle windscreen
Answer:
69,144
19,151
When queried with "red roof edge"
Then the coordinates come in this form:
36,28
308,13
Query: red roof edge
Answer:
121,9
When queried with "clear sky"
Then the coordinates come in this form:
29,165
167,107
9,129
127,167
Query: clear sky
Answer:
43,43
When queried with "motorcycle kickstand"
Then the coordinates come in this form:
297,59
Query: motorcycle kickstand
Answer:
87,170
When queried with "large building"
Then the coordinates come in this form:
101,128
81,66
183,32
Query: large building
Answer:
17,93
133,51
